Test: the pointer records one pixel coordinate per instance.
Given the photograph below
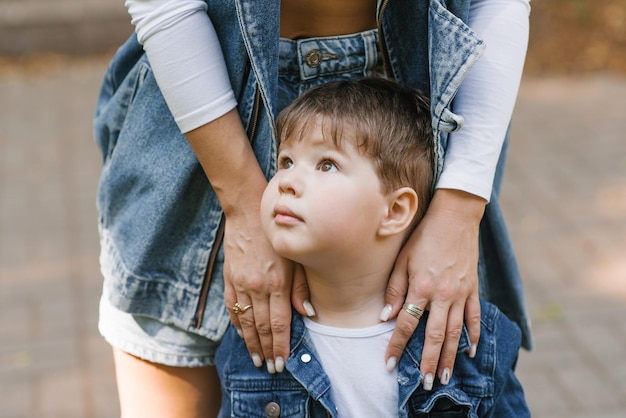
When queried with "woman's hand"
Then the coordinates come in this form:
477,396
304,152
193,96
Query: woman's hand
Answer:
437,270
255,276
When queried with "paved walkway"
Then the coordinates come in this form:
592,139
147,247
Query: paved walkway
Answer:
564,199
67,26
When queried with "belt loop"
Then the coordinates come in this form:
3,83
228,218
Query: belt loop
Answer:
371,50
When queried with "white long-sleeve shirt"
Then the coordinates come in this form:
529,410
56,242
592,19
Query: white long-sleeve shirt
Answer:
188,64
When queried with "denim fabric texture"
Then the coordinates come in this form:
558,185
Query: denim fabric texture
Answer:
485,386
160,222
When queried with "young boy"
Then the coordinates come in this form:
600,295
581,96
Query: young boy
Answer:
354,176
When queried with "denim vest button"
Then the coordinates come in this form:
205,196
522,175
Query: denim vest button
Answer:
305,358
272,410
314,58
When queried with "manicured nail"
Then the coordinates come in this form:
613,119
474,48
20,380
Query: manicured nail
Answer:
445,376
428,382
256,359
384,314
280,364
239,332
472,351
308,308
271,368
391,364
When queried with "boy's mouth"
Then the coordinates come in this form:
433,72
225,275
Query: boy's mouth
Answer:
282,214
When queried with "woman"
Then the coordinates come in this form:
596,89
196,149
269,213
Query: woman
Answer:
180,254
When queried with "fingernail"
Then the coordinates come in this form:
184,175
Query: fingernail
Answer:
428,382
391,364
384,314
445,376
472,351
308,308
256,359
280,364
239,332
271,368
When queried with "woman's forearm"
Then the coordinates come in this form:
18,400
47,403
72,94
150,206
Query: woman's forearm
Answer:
487,96
226,156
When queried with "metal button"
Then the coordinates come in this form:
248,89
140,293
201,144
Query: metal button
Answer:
272,410
314,58
305,358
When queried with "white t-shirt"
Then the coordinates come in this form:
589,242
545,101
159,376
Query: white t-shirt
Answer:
354,360
188,64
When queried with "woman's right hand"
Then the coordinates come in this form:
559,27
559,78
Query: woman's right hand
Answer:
255,276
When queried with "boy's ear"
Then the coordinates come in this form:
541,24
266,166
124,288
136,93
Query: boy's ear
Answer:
400,211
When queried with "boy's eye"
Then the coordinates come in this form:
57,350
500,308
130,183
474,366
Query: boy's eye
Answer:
285,163
328,166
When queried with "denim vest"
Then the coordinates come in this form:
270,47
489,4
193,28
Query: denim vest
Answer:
160,222
485,386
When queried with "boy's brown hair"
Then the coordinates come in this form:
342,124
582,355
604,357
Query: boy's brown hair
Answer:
392,126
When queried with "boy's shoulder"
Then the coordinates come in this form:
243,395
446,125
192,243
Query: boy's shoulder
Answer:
474,381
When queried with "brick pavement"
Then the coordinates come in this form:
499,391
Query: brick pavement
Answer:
564,199
66,26
565,202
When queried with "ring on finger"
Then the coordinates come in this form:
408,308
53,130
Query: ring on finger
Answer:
413,310
238,309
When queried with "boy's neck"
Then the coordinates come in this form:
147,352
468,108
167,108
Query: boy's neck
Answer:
347,299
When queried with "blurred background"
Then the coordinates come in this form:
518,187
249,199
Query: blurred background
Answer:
564,199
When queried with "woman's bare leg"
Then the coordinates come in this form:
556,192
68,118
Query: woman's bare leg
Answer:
152,390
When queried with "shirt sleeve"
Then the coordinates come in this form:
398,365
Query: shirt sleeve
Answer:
487,96
186,58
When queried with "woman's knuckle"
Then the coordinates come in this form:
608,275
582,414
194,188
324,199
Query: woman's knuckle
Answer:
435,336
393,293
279,325
396,346
405,329
448,358
473,319
246,322
256,283
454,333
263,328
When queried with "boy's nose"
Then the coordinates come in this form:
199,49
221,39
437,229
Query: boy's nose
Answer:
286,187
288,183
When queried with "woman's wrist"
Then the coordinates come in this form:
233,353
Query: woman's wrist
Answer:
458,205
225,154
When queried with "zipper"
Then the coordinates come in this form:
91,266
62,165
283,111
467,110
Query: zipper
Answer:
255,115
204,294
219,238
381,40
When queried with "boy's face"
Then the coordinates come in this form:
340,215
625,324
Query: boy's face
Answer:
324,203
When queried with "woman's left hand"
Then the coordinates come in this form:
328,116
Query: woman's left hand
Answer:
437,270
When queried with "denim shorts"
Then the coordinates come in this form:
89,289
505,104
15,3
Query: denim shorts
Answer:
308,62
304,63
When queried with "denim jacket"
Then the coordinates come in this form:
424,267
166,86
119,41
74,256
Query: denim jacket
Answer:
160,223
484,386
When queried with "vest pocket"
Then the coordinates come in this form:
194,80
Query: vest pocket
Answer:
280,402
443,405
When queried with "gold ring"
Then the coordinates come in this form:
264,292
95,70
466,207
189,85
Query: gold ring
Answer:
237,309
413,310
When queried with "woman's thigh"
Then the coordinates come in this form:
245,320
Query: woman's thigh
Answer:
153,390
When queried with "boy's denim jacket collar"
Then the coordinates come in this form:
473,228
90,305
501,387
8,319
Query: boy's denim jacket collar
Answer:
471,391
312,377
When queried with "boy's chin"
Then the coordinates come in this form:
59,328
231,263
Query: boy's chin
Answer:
291,254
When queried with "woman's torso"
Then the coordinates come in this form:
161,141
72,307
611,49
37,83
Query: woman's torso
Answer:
306,19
